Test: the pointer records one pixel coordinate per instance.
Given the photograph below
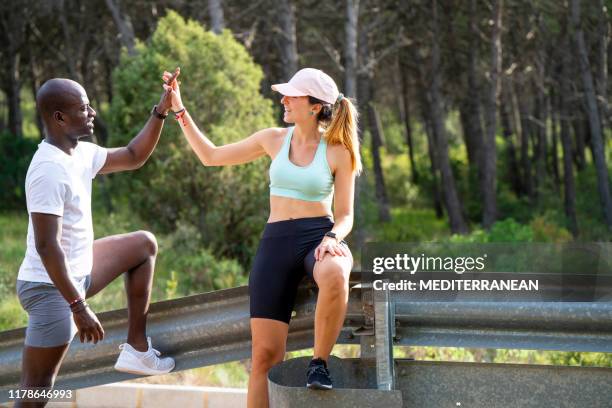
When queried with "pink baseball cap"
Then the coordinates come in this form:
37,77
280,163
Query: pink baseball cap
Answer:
310,82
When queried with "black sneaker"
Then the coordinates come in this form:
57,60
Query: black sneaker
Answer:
318,375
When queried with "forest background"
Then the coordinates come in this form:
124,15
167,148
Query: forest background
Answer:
480,121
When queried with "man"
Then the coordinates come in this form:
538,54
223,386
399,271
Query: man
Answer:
63,265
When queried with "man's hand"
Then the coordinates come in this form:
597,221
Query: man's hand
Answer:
138,151
166,101
89,326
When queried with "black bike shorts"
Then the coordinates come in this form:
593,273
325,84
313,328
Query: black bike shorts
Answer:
285,255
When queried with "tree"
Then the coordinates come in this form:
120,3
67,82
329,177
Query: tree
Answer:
220,87
287,38
566,143
215,10
12,41
489,152
350,47
452,202
603,184
470,109
403,103
124,25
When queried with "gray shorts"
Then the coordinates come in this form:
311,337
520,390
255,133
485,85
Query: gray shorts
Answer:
50,322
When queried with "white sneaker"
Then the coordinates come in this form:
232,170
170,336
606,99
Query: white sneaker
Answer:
143,362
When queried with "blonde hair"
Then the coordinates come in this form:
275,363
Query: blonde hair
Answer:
342,129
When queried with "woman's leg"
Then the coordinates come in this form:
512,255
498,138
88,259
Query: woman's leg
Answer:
332,277
269,339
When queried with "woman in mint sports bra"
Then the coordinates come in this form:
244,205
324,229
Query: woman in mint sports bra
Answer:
311,168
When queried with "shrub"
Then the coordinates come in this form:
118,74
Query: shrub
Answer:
220,87
16,155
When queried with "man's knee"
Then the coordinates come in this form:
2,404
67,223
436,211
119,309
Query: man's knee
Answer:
149,242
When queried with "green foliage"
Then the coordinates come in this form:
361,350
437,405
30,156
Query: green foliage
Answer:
172,285
193,269
412,225
589,212
507,230
12,314
480,355
581,359
402,191
14,228
16,155
220,87
538,230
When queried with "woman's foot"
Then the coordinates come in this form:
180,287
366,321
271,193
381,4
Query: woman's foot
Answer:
318,377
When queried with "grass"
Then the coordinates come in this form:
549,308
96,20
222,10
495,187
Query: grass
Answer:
14,230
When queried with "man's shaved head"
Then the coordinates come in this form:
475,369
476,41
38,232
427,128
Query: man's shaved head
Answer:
57,94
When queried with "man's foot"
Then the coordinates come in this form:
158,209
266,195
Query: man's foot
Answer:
143,362
318,375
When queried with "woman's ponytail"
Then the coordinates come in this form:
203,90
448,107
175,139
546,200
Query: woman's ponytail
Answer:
342,129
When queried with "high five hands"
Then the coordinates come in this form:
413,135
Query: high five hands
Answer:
165,102
171,85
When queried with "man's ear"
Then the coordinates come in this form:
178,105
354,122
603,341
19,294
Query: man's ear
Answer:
59,118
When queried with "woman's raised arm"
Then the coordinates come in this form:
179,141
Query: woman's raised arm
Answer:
240,152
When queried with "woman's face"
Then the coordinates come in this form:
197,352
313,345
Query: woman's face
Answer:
297,109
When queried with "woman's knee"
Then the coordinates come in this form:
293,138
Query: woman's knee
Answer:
263,358
332,276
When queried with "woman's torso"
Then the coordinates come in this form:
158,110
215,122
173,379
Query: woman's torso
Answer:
302,155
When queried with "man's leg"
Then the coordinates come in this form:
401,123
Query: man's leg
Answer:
39,367
135,254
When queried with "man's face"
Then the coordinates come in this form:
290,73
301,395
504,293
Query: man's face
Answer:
78,116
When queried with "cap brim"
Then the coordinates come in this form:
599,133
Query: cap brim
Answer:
288,90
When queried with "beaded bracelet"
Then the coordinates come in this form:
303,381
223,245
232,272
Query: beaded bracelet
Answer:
74,305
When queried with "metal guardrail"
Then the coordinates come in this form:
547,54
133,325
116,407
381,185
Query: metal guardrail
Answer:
197,331
213,328
564,326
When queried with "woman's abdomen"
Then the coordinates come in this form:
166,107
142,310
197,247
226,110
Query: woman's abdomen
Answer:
284,208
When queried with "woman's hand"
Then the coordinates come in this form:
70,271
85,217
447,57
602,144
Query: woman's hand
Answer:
332,246
172,84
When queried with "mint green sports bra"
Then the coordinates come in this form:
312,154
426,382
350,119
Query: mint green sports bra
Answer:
313,182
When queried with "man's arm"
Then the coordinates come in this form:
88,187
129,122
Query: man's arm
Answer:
47,235
138,151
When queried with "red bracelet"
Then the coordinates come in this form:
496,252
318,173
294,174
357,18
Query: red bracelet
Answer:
179,116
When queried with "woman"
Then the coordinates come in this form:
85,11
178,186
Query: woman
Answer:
310,167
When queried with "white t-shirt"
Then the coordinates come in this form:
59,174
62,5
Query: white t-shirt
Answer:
60,184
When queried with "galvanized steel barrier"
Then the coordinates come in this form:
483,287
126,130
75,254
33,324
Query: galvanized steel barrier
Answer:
213,328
